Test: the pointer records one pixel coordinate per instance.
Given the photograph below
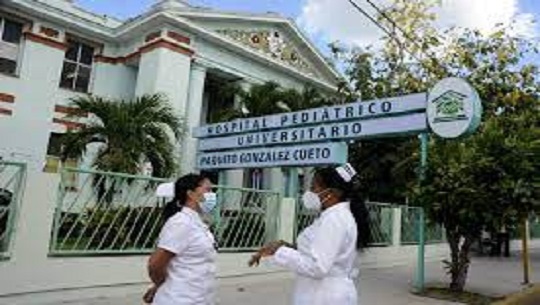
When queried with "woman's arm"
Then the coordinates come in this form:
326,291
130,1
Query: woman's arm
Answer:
268,250
316,263
173,240
158,264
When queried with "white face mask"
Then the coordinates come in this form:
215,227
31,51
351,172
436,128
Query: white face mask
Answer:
209,203
312,201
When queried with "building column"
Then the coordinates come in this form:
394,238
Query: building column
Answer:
167,72
193,118
396,226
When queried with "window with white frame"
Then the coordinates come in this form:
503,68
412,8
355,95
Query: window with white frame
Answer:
77,66
10,40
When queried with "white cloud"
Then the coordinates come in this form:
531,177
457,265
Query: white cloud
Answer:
338,20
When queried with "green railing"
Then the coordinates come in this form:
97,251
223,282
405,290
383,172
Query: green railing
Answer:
12,177
380,225
409,228
105,213
109,213
246,219
304,217
381,216
382,220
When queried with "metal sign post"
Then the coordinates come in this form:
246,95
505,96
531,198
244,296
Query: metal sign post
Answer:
421,261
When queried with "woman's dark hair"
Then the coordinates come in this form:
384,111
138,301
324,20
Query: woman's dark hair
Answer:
330,178
184,184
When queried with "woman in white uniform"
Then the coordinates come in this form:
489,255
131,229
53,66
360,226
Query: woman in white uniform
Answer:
182,268
325,258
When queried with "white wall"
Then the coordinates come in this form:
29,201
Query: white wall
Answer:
26,132
116,81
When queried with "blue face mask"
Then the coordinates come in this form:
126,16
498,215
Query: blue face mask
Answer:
209,203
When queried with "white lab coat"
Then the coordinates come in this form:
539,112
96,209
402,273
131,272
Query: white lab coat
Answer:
325,261
192,272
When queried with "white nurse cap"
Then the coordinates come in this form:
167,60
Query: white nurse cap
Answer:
165,190
347,172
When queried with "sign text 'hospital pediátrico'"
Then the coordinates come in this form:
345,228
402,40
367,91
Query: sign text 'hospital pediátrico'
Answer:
354,111
306,138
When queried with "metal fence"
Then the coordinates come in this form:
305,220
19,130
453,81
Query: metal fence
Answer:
304,217
105,213
410,227
381,216
110,213
246,219
382,220
12,177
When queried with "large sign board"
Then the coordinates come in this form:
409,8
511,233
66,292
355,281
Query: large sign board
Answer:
315,136
348,112
280,156
413,123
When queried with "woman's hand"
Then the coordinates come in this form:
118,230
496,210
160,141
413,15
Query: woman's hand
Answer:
268,250
148,296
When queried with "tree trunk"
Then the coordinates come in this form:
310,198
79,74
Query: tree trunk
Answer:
460,261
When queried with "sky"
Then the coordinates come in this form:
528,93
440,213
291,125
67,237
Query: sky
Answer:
329,20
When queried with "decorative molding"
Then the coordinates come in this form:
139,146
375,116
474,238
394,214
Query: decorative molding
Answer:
178,37
70,111
152,36
272,44
7,98
4,111
116,60
107,59
159,43
46,41
69,124
49,32
162,43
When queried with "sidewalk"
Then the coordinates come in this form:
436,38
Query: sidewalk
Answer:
388,286
377,286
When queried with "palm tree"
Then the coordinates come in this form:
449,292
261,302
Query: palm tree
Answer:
268,98
308,98
133,132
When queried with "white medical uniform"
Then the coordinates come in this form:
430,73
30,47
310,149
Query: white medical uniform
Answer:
192,272
326,259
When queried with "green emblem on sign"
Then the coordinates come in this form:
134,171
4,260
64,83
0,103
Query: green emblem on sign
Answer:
450,107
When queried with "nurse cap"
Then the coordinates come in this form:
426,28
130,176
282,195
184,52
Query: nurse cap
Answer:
165,190
347,172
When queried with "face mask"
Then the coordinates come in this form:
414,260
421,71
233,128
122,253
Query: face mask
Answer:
209,203
312,201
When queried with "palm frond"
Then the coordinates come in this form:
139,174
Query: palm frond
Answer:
133,131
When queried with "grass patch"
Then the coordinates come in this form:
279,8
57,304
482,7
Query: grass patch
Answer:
530,296
464,297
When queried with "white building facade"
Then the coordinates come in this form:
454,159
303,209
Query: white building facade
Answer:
52,50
